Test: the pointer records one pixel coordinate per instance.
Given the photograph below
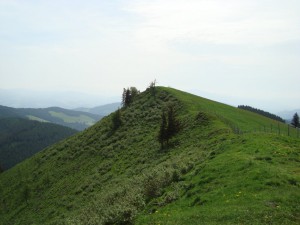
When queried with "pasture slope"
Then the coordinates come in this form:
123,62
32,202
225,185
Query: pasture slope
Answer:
219,169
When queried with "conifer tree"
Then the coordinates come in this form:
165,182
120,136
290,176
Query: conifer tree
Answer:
152,87
134,92
124,97
295,121
173,124
162,135
128,95
169,127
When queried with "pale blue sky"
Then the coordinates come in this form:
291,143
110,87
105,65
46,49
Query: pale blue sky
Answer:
237,52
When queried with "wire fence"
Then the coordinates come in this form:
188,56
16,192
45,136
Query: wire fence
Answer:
279,128
288,130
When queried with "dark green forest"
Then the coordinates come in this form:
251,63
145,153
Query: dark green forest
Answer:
262,112
22,138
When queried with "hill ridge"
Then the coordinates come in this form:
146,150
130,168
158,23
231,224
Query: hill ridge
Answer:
207,173
57,115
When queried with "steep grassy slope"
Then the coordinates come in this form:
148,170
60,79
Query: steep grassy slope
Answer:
21,138
69,118
212,172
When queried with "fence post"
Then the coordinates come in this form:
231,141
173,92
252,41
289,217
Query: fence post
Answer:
271,128
288,130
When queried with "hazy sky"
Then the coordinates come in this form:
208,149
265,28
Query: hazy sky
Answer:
235,51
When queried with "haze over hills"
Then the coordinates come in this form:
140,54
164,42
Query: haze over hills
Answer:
288,115
219,168
69,118
21,98
101,110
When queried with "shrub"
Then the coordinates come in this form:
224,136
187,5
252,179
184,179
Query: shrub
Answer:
152,188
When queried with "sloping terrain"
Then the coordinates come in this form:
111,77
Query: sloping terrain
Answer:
223,167
102,110
21,138
69,118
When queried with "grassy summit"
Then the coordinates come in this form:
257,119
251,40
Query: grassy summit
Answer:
214,171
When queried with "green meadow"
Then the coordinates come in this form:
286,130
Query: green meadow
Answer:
73,119
224,166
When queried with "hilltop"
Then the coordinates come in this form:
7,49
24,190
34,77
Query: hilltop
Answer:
65,117
224,166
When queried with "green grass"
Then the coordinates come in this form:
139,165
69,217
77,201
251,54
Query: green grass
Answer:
73,119
36,118
236,118
208,174
256,182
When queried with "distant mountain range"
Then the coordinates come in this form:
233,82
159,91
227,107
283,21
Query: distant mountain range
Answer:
69,118
20,98
101,110
26,131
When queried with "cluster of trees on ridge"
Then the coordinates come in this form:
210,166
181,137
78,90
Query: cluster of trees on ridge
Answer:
130,93
262,112
128,96
169,126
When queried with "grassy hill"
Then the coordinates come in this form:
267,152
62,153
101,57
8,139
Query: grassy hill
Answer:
221,168
22,138
69,118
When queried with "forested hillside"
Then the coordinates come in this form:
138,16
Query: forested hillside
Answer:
21,138
69,118
119,172
262,112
